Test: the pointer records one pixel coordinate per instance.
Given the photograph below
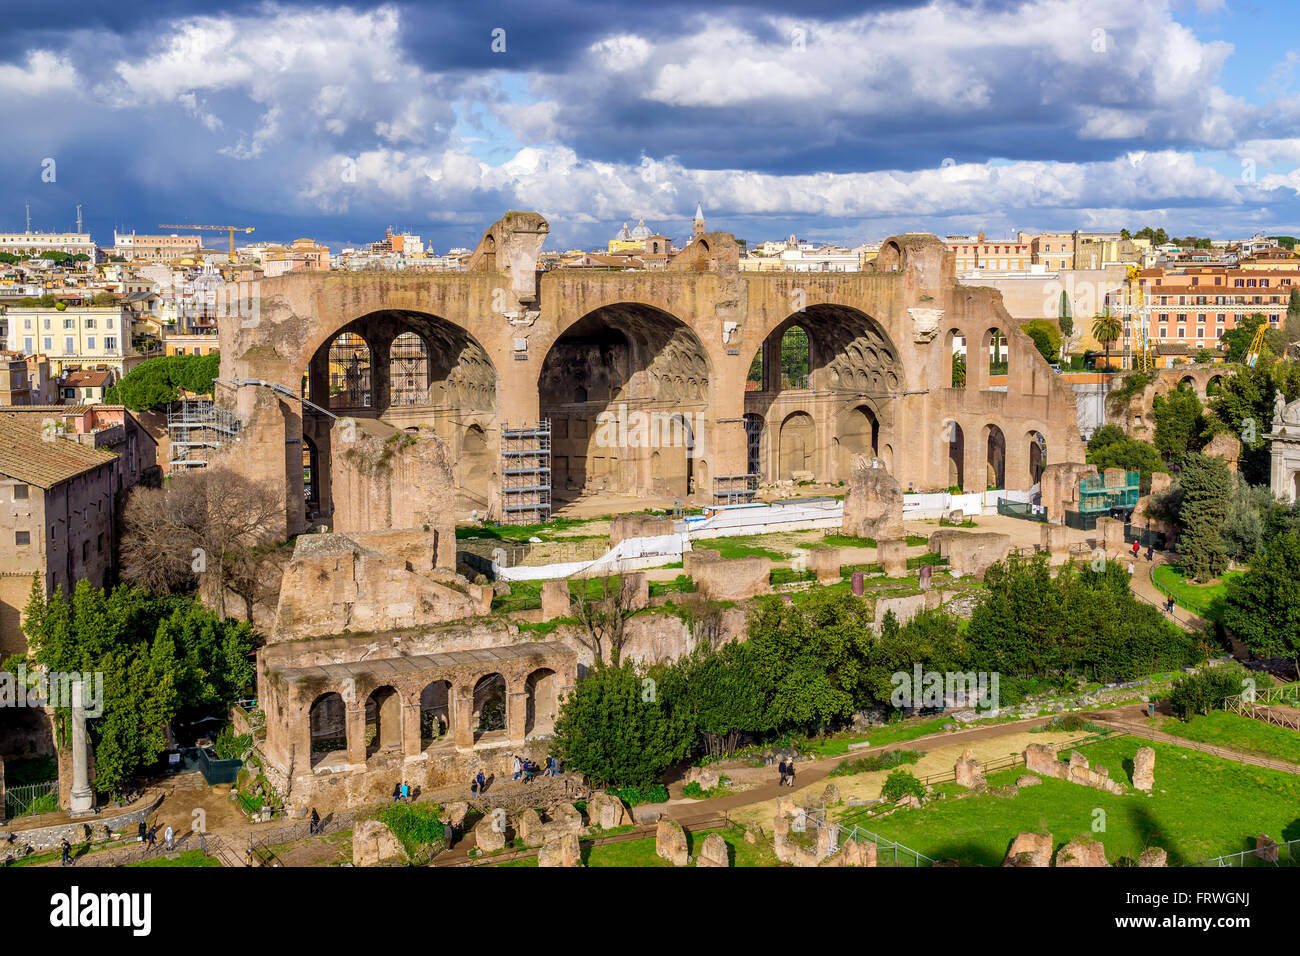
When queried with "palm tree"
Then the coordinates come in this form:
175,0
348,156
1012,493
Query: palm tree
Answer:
1107,329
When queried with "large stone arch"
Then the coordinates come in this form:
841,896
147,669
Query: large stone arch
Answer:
854,373
626,388
447,385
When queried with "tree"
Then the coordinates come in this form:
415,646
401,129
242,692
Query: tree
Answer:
1207,486
726,696
210,528
1263,607
1244,528
1292,325
603,618
1107,329
1108,450
623,728
1047,339
1179,423
812,656
156,654
1206,691
958,370
156,382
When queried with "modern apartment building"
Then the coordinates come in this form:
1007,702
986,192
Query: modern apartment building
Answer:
75,337
24,243
1195,305
154,248
980,254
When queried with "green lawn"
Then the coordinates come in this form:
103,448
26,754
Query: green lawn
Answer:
1200,807
1234,732
641,852
192,858
879,736
1205,600
744,546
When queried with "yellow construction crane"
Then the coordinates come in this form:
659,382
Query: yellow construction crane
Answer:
1137,314
230,229
1256,345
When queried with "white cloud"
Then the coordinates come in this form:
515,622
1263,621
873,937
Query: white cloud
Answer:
45,74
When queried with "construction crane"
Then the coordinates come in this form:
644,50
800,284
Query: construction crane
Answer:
230,229
1256,345
1138,313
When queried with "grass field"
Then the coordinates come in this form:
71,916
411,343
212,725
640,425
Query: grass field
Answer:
1234,732
1205,600
878,736
190,858
1200,807
641,852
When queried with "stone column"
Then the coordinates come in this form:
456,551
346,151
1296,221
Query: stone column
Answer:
463,718
83,799
516,715
356,731
411,729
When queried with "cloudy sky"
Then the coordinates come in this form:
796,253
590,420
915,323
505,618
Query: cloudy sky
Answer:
838,121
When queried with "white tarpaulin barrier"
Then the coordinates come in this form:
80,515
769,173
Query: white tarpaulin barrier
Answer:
632,554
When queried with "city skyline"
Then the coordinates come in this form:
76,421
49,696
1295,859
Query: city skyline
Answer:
332,123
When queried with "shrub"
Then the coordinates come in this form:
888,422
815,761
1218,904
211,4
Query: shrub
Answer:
633,796
414,825
900,784
885,761
1204,692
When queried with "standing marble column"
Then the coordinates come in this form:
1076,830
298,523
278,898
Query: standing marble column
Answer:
83,799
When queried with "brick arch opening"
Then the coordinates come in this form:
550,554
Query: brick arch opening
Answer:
383,732
543,701
995,457
417,371
327,724
1037,455
436,713
825,362
488,706
626,388
953,441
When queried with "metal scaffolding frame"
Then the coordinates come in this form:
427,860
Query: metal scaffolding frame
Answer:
734,489
526,473
195,430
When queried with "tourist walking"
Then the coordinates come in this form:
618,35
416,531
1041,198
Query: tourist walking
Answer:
481,781
780,769
516,767
789,770
67,852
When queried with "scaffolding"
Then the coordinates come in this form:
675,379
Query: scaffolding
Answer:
526,473
1101,493
734,489
195,429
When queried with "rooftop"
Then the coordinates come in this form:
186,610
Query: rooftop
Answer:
30,453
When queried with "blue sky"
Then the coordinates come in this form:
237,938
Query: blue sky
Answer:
837,121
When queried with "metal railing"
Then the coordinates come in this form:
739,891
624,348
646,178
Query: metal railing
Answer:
1279,854
1256,705
31,798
